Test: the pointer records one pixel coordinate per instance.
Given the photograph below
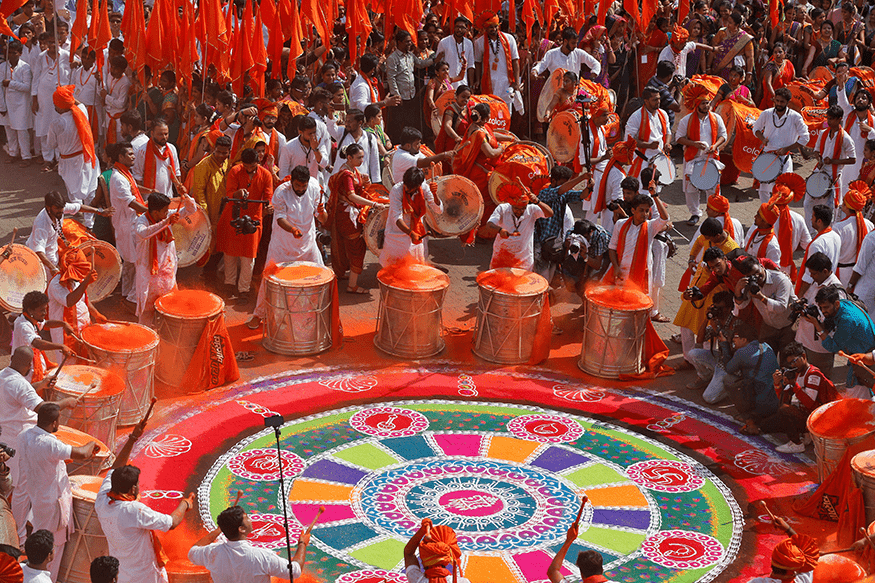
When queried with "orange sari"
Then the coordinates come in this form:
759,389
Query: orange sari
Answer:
473,164
647,63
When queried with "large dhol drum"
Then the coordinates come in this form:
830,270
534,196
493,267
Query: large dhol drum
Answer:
563,135
613,332
836,426
802,94
409,318
528,161
97,411
181,316
107,263
86,467
130,350
508,314
863,469
184,571
551,87
87,541
462,206
374,230
815,120
704,174
299,298
192,235
767,167
665,172
818,185
21,271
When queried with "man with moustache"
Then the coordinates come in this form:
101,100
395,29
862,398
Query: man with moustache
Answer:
781,131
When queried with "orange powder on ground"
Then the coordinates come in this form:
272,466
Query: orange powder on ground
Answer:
844,418
622,298
117,337
190,303
410,274
516,282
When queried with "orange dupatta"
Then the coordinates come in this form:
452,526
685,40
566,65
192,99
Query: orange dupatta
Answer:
764,245
466,155
126,172
150,168
161,557
805,258
694,132
165,235
644,136
486,81
600,203
415,205
836,154
638,273
785,240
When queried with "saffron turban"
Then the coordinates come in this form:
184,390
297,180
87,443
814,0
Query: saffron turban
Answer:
768,213
788,187
266,108
857,195
513,193
486,18
694,94
623,151
797,553
718,203
679,35
64,100
74,266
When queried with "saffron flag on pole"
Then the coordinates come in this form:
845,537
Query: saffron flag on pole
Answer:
296,36
79,30
259,55
134,31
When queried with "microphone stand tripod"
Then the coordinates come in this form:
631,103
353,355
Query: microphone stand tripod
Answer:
276,421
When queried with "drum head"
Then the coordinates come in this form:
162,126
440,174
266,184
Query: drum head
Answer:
192,235
667,170
21,271
550,88
704,174
766,167
375,230
78,438
818,184
530,175
300,274
563,136
85,487
76,379
108,265
512,281
462,204
388,180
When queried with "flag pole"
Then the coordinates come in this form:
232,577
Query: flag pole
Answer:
57,46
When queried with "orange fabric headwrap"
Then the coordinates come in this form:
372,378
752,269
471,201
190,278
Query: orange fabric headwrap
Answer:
679,35
623,150
857,195
718,203
793,184
694,94
486,18
443,549
74,266
266,108
768,212
513,193
63,99
798,553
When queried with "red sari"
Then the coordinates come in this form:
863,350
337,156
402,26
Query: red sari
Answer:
347,221
657,39
473,164
780,78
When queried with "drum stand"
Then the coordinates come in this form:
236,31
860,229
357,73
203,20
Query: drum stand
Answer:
584,132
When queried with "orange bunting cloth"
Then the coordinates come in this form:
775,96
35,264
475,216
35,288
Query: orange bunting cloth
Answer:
74,266
63,99
441,550
679,35
696,93
213,363
768,213
798,553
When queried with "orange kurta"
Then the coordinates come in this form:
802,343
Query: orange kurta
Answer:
260,187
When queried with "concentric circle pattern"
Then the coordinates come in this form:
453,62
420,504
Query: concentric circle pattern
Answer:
508,478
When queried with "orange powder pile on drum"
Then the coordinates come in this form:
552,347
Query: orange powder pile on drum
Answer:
837,569
107,383
118,337
184,567
295,272
412,275
189,303
92,486
623,298
504,258
78,438
506,281
844,418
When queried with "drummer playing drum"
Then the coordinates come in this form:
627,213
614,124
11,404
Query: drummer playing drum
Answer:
781,130
703,134
835,153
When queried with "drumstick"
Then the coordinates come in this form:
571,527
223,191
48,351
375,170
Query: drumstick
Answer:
857,362
580,511
7,251
769,512
237,499
149,411
60,366
88,390
318,514
867,537
847,550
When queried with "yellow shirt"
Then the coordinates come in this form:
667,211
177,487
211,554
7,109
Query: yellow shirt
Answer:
208,186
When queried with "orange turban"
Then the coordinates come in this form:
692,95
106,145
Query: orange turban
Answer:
679,35
857,195
486,18
696,93
596,32
74,266
719,203
63,99
513,193
442,549
837,569
623,151
768,212
797,553
266,108
788,187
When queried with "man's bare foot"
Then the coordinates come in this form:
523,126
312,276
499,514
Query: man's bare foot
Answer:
49,167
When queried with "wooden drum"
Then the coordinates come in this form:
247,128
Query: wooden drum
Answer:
613,331
462,206
21,271
129,350
97,412
563,135
863,468
87,467
836,426
181,318
108,265
87,541
508,313
184,571
192,234
299,297
409,319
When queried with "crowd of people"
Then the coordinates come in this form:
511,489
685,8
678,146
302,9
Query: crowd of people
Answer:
286,168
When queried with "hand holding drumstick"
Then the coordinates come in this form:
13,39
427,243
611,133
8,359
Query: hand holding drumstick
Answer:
554,571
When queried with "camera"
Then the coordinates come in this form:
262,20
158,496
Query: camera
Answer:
713,312
324,238
613,206
802,308
243,224
7,450
754,285
788,372
696,295
577,242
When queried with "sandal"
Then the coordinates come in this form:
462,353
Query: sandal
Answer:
253,323
659,318
357,290
244,356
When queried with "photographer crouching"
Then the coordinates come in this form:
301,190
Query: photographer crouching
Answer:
820,268
770,292
710,362
845,327
586,255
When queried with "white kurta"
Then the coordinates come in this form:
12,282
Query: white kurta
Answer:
152,286
58,293
847,230
781,132
597,151
238,561
679,60
830,244
16,99
865,266
164,169
704,135
116,100
453,52
654,227
121,196
498,65
852,172
836,171
557,59
294,153
736,224
801,235
397,244
520,244
126,526
80,177
612,192
44,236
402,160
43,462
658,132
86,91
752,245
371,163
45,81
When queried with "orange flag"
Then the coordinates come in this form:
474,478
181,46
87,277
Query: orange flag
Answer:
296,35
155,38
551,7
134,30
104,33
96,17
188,50
773,12
631,6
531,12
648,11
314,13
683,11
222,58
358,26
7,7
259,54
243,60
80,27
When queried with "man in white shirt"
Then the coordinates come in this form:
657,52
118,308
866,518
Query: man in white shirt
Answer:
86,81
819,269
69,289
40,550
436,555
761,241
826,241
363,90
457,51
48,487
858,122
627,262
406,235
27,328
781,131
852,229
514,222
836,155
862,280
127,523
235,560
132,129
409,154
115,97
46,78
651,129
497,60
297,204
43,239
156,163
607,188
305,150
354,134
125,197
16,113
567,56
677,51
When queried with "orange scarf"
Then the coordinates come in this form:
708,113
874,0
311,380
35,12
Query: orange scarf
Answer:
41,362
785,240
63,99
126,172
372,85
161,557
600,202
468,153
414,205
273,146
192,147
836,154
638,273
862,231
644,136
694,131
805,258
165,235
486,81
150,168
764,245
596,144
852,117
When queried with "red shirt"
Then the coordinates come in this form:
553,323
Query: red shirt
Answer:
812,389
